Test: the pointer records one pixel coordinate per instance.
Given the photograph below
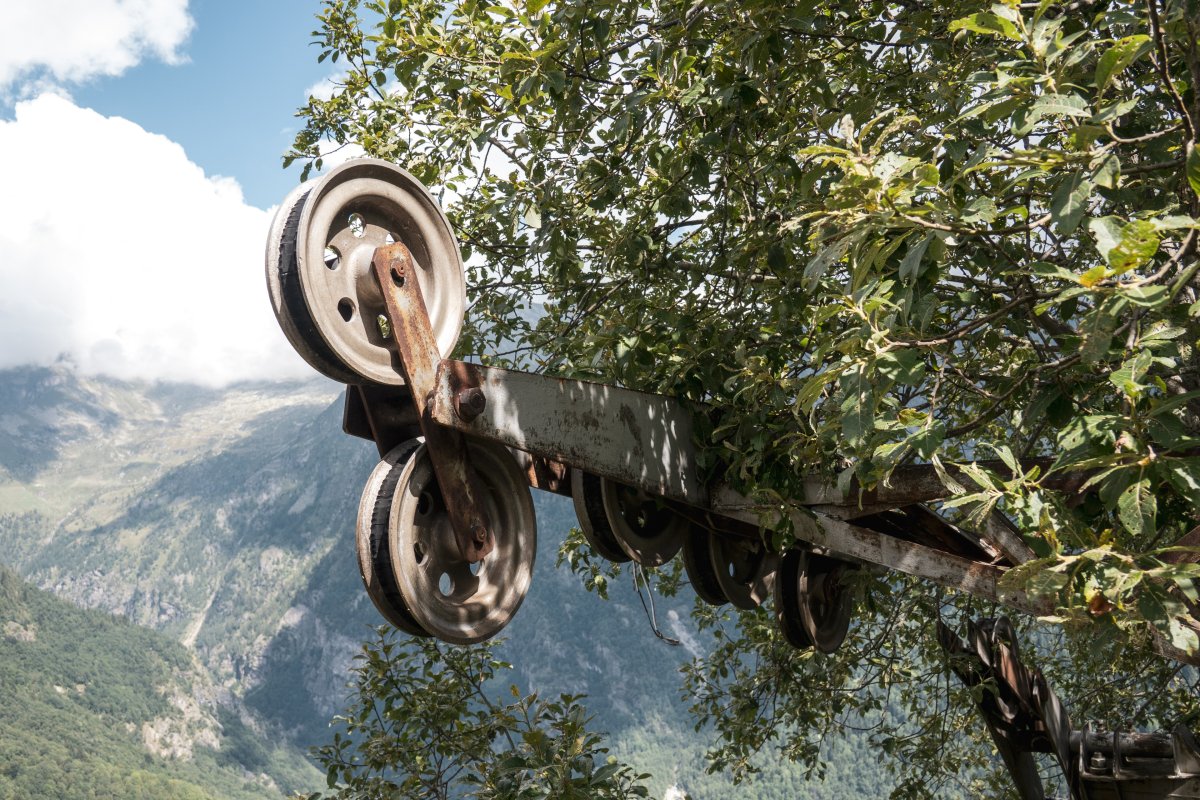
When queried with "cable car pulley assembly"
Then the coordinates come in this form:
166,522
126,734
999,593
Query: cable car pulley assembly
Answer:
366,281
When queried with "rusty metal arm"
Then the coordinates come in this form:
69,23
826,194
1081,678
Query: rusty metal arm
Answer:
418,350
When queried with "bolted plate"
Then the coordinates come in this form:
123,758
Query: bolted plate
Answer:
371,536
326,261
455,600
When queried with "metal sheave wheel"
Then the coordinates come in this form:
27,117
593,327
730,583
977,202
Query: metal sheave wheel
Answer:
318,264
744,569
374,552
593,521
290,311
787,600
812,602
701,572
454,600
649,532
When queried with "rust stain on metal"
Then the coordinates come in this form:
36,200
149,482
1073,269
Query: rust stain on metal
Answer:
420,363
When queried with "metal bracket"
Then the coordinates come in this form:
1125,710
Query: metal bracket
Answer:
408,320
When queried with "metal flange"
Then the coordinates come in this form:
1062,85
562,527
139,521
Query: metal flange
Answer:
450,597
323,289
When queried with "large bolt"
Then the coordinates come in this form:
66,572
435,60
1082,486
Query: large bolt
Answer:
469,403
478,533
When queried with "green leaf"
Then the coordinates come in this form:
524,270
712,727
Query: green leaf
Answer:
1137,508
926,441
1184,476
910,267
1118,57
987,23
1093,276
858,408
1147,296
829,255
1098,327
1089,435
981,209
1107,232
1107,172
1137,245
1184,636
1128,377
905,366
1061,105
1069,202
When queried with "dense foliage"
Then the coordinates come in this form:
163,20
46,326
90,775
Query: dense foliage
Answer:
425,724
866,234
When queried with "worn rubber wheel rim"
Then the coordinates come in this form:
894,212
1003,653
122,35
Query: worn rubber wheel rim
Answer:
824,602
744,569
283,287
374,551
357,207
787,600
448,597
587,497
701,572
649,532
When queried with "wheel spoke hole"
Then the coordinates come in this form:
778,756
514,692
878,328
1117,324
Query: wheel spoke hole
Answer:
476,566
419,552
346,308
424,504
389,239
358,226
333,259
446,584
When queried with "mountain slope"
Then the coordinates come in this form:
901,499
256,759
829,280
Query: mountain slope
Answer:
95,706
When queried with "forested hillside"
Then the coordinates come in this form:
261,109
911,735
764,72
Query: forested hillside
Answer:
95,706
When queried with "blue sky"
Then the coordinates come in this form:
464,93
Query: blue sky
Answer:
231,103
140,154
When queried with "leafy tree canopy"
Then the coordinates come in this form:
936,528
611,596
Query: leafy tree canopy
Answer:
864,233
424,724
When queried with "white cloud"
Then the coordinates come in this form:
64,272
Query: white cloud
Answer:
326,88
119,252
73,40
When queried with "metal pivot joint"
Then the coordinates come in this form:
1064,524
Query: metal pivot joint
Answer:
417,348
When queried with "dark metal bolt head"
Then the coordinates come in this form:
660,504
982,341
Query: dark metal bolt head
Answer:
478,533
469,404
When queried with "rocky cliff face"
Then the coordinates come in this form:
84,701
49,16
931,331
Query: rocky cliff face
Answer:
200,514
